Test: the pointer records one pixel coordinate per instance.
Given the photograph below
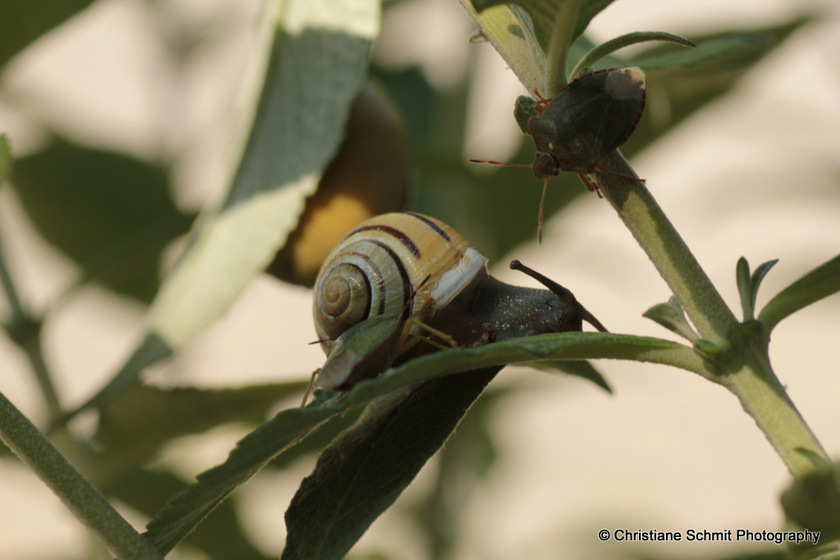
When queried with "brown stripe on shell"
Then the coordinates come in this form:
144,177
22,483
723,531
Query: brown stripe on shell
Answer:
395,233
368,288
406,280
436,228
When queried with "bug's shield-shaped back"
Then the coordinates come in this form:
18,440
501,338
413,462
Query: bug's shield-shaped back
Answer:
588,119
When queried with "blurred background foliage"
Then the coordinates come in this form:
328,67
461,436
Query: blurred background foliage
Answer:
114,214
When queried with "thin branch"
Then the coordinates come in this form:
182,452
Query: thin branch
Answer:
77,493
558,48
746,369
25,330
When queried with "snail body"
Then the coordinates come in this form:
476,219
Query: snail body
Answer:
424,276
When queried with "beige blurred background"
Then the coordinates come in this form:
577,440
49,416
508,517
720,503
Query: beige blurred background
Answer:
756,174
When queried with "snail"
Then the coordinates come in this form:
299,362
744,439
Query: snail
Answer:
411,266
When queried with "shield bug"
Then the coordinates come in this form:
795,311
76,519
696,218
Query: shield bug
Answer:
589,118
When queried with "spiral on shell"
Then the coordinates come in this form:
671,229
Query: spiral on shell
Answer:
378,267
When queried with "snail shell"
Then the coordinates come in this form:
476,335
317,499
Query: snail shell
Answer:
377,269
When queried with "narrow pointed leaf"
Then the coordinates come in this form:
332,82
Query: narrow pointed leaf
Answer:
513,36
364,471
578,368
461,467
220,536
317,63
134,425
821,282
742,280
533,36
250,455
292,426
605,49
671,316
685,80
543,14
110,213
721,49
755,282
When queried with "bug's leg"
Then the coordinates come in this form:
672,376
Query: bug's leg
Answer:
309,387
590,184
601,169
432,333
542,102
488,336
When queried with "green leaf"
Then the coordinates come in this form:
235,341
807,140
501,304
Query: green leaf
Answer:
542,14
111,214
534,36
220,536
317,64
671,316
363,472
138,422
684,80
603,50
314,442
292,426
546,347
363,351
461,467
23,22
813,501
748,284
578,368
820,283
511,32
719,50
251,454
315,59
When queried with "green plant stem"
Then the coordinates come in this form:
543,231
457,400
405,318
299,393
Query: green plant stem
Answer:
77,493
665,248
753,382
558,48
764,398
26,332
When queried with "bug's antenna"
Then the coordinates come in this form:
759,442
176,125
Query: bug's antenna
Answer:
540,215
526,166
503,164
